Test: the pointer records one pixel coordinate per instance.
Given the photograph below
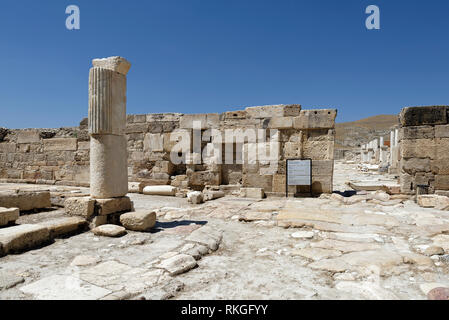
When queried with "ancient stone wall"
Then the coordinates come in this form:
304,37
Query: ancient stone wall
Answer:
61,156
424,148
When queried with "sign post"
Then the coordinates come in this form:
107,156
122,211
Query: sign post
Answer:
298,173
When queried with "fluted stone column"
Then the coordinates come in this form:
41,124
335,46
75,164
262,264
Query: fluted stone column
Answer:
107,123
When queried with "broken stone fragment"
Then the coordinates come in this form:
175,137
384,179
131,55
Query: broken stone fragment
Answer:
22,237
135,187
109,230
432,201
117,64
253,193
438,294
160,190
25,200
434,250
80,206
195,197
212,195
178,264
139,220
64,226
8,216
112,205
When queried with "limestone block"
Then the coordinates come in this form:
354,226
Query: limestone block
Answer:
61,227
139,128
213,194
238,114
281,123
417,132
414,165
7,147
107,102
8,215
273,111
153,142
442,148
253,193
318,150
195,197
322,184
80,206
60,144
83,145
207,121
315,119
139,220
418,116
22,237
432,201
407,183
202,178
117,64
178,264
160,190
292,150
109,230
418,148
136,187
442,182
112,205
322,167
25,200
157,117
108,166
28,136
254,180
439,167
279,181
442,131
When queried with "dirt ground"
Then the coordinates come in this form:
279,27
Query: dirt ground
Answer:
366,246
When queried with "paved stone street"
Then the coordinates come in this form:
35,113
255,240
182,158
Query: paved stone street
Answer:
367,246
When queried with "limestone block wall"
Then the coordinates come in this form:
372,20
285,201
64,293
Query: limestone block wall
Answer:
424,148
61,156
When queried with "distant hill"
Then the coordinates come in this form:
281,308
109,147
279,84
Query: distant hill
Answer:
353,134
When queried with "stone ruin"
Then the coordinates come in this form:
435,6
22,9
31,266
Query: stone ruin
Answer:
424,149
139,147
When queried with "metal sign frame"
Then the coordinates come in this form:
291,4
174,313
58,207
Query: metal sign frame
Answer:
286,175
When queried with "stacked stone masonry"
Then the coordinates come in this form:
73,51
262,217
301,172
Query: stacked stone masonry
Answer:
424,149
61,156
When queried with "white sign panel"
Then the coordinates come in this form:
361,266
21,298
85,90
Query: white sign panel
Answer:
299,172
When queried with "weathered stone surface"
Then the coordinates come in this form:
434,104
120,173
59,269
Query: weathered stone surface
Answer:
178,264
153,142
417,132
432,201
135,187
60,144
80,206
160,190
28,136
25,200
418,116
434,250
442,131
438,294
206,236
303,235
9,280
255,216
441,240
213,194
206,121
315,119
195,197
253,193
418,148
442,182
316,254
108,166
281,123
139,220
60,287
273,111
84,260
6,147
22,237
365,290
8,215
117,64
112,205
414,165
109,230
344,246
64,226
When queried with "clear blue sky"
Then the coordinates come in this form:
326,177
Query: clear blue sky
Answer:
196,56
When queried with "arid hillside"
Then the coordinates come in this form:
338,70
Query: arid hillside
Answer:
352,134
